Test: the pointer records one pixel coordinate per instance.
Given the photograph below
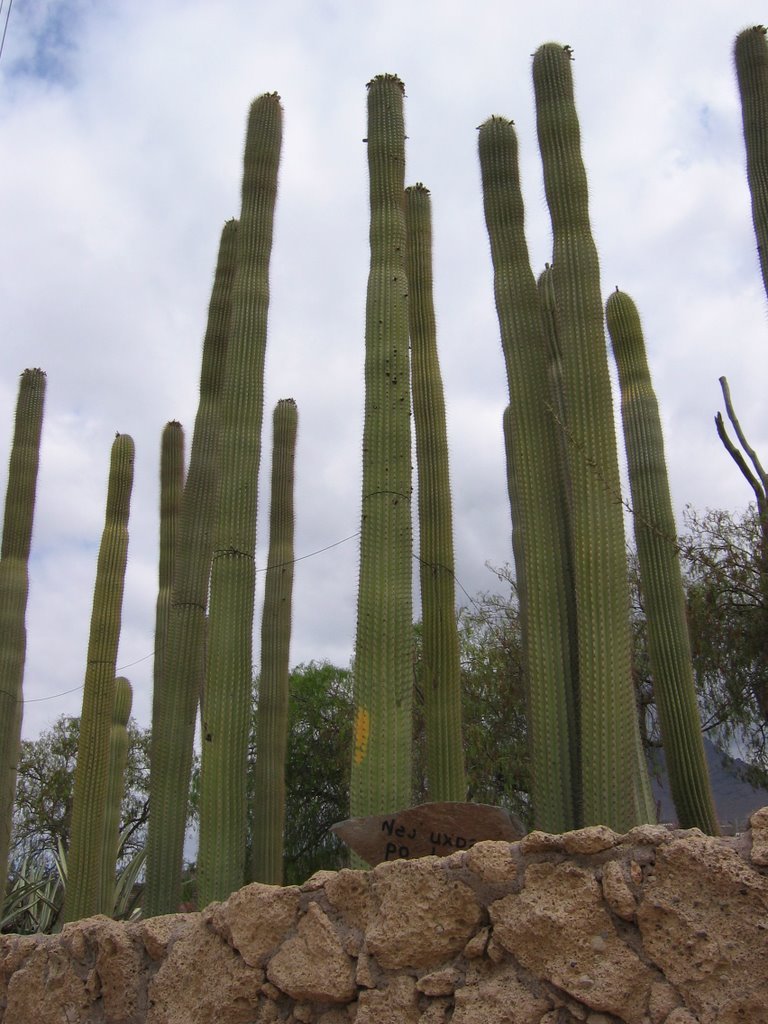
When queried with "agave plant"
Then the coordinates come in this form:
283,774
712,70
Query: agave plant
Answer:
35,892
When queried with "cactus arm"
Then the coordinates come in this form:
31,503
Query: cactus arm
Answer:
84,883
751,59
226,707
381,763
440,639
272,727
174,708
14,589
119,744
656,538
612,792
540,519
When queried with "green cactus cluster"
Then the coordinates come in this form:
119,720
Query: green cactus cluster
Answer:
226,699
183,655
381,759
446,776
119,745
89,801
268,812
14,588
567,518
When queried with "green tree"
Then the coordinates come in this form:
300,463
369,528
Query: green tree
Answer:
727,618
44,787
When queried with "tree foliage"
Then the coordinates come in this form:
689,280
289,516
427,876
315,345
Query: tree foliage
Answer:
44,788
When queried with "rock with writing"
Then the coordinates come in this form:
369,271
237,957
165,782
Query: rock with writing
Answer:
436,830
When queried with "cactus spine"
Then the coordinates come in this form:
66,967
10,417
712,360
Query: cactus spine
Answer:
14,588
227,695
118,759
381,761
174,708
272,728
751,57
541,534
440,640
84,884
614,791
655,535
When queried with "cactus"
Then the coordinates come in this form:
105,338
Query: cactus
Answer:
655,535
268,814
84,883
383,672
751,58
171,489
440,642
227,694
533,458
119,744
183,656
615,790
14,587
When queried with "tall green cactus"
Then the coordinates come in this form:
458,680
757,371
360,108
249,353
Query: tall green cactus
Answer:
227,694
174,707
119,744
268,814
751,57
171,490
655,535
84,882
614,790
533,456
440,641
14,588
383,671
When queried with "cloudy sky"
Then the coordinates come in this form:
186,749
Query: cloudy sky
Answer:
121,130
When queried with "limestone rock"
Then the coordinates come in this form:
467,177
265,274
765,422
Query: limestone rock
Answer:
492,862
156,933
498,998
617,892
589,840
225,991
439,983
559,929
48,989
758,822
312,965
398,1003
424,916
541,842
704,922
256,919
349,892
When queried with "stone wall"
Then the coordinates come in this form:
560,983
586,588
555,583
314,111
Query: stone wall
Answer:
653,927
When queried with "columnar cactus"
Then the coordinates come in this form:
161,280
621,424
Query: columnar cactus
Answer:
440,639
84,882
174,707
533,456
119,744
227,694
669,646
383,671
268,815
171,489
751,57
614,790
14,588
